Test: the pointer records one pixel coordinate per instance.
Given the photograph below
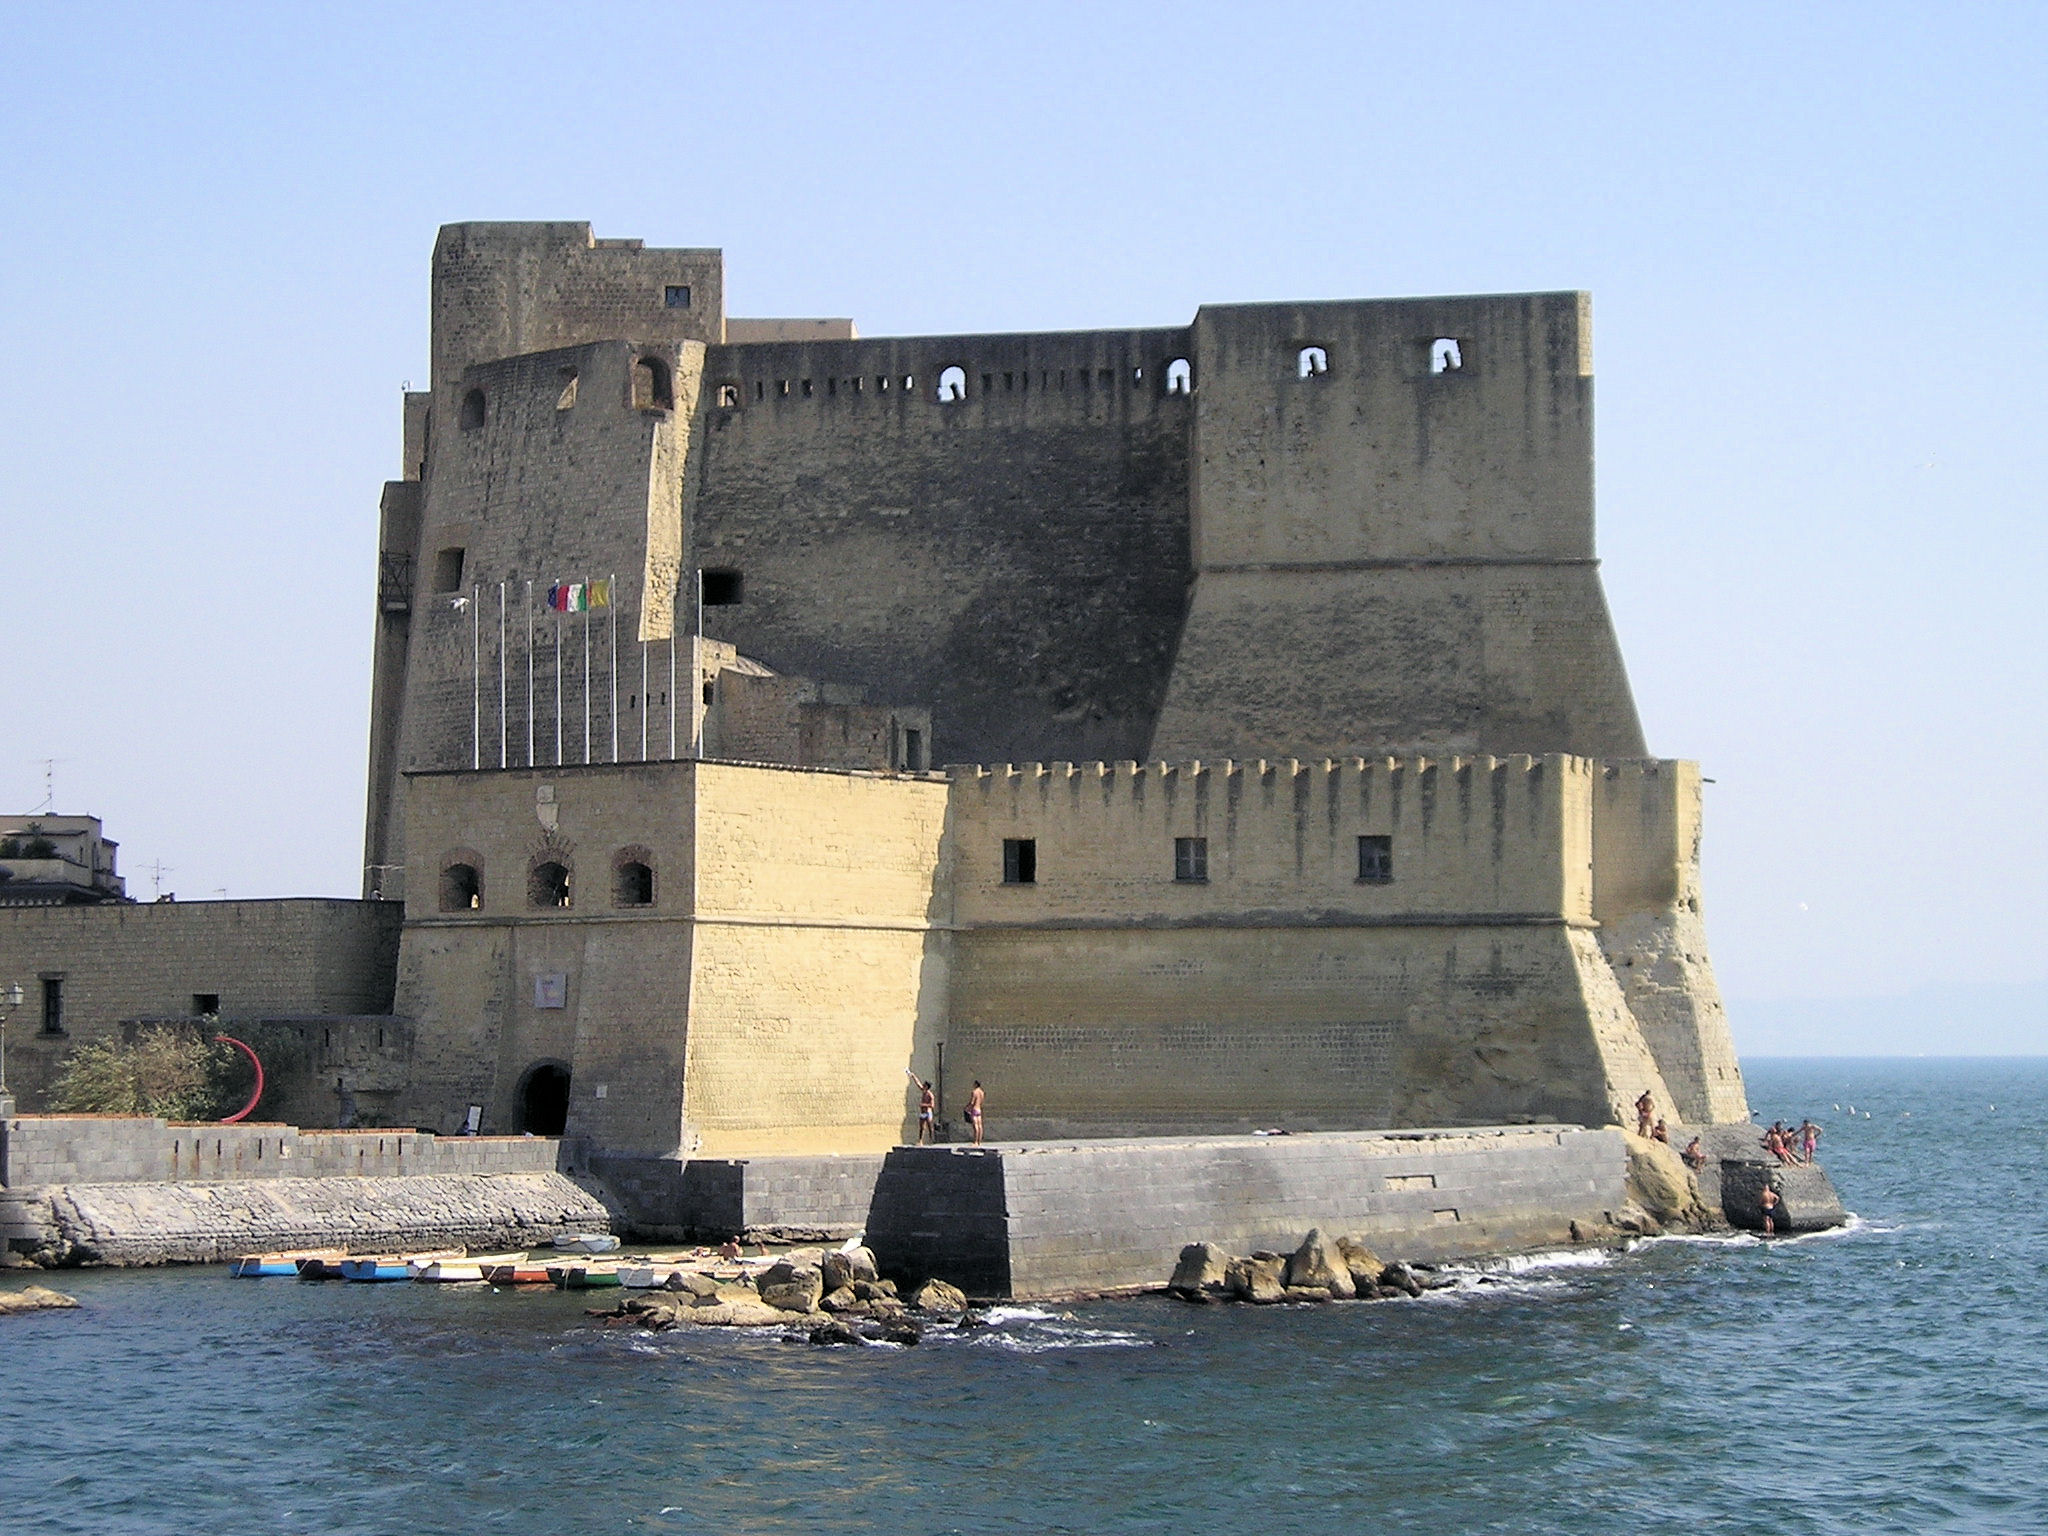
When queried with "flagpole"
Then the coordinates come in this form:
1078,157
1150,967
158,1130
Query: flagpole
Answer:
586,674
504,725
558,688
611,593
671,688
476,677
645,702
529,672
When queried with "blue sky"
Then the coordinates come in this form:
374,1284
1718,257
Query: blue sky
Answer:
1814,242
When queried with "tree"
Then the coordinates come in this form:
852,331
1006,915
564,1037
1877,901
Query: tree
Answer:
164,1071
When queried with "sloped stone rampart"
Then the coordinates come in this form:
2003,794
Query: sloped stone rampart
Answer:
187,1223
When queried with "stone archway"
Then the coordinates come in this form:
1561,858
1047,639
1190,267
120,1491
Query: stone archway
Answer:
544,1098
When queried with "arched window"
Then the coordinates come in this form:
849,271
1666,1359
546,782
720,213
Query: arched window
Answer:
567,397
728,396
652,388
1445,355
1312,362
462,882
952,385
547,885
1180,377
472,410
633,878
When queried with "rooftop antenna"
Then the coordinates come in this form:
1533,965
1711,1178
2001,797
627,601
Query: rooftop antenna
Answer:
158,870
49,805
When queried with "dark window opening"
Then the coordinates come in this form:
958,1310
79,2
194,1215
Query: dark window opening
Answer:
1445,355
1009,381
952,385
760,390
472,410
544,1100
913,749
448,571
548,885
1375,860
204,1003
728,396
988,383
723,587
653,390
1312,362
1191,859
807,389
710,693
1020,861
462,888
53,1005
676,296
633,885
832,388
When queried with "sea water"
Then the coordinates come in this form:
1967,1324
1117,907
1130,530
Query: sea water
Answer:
1889,1377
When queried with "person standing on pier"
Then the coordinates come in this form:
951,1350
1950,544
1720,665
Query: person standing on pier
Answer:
974,1104
927,1109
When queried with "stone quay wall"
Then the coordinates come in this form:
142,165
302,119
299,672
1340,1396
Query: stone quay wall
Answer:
125,1149
139,1223
1055,1219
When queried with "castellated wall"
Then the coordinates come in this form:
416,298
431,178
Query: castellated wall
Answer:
122,962
1283,990
768,998
1015,559
1395,549
570,468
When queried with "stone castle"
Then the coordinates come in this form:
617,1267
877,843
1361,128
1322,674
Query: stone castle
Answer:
1179,730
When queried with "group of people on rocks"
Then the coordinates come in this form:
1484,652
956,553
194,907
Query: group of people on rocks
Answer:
1794,1146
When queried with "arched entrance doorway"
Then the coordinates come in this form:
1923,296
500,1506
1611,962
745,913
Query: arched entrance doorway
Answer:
544,1099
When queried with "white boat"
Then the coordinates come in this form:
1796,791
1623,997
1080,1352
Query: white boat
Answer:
585,1242
448,1271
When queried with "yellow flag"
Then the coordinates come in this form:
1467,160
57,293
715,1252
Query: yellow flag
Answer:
600,594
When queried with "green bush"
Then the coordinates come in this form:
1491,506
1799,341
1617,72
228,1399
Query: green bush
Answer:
172,1073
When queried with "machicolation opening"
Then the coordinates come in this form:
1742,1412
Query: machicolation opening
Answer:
952,385
547,885
462,886
653,387
1445,355
472,410
1312,362
633,878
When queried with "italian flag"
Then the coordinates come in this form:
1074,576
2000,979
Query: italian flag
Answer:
579,596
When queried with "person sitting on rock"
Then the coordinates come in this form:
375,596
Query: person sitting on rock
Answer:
1659,1132
1695,1155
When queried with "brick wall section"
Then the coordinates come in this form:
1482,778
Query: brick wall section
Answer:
148,960
106,1149
1047,1220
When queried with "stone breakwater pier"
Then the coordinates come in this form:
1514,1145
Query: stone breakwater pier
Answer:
1022,1220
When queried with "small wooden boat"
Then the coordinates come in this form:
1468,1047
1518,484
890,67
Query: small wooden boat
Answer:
518,1271
390,1266
456,1271
322,1266
253,1266
583,1277
586,1242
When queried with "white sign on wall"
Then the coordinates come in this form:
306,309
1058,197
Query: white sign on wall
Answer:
551,990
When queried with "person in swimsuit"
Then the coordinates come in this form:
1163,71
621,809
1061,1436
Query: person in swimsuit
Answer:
1646,1107
974,1103
927,1109
1809,1139
1695,1155
1659,1132
1769,1201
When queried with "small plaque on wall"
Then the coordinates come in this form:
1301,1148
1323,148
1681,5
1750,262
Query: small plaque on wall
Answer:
551,990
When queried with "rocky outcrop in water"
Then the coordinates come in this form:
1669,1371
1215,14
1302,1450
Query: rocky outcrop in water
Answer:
1321,1268
35,1298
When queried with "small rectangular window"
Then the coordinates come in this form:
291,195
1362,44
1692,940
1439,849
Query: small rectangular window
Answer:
53,1005
723,587
448,571
676,296
205,1002
1020,861
913,750
1375,860
1191,859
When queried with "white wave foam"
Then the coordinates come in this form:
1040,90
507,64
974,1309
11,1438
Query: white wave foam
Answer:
997,1316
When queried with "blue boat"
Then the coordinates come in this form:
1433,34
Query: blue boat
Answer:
391,1266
